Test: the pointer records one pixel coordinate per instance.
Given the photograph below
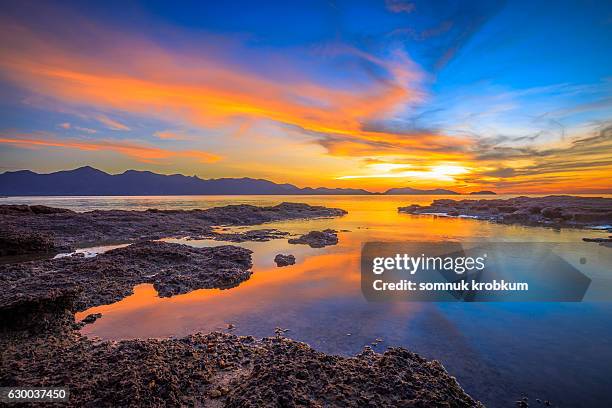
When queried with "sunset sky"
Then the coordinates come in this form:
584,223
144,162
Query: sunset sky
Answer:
508,96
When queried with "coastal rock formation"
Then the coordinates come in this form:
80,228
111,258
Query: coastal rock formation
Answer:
284,260
258,235
556,211
234,371
65,229
291,373
171,268
317,239
20,242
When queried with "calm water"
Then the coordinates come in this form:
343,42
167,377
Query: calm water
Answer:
498,351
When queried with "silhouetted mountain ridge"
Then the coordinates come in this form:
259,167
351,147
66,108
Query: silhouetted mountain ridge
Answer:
90,181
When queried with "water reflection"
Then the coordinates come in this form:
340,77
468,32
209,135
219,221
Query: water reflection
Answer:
561,352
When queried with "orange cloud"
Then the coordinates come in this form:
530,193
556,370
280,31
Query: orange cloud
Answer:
138,77
168,135
142,153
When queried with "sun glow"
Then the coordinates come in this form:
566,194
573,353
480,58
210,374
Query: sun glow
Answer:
440,172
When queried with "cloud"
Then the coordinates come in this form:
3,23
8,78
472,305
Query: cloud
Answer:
111,123
583,162
202,88
137,151
85,130
399,6
170,135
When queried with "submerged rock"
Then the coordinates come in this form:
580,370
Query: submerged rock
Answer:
317,239
284,260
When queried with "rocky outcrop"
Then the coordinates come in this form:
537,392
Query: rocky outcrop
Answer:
317,239
258,235
224,369
556,211
600,240
284,260
290,373
171,268
61,228
15,241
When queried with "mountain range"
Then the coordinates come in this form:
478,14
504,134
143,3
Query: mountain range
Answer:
89,181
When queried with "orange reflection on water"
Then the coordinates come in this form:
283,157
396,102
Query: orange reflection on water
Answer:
323,280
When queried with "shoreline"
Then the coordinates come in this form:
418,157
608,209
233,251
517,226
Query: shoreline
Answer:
589,213
39,299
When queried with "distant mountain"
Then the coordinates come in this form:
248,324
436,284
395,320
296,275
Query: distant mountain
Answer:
414,191
483,192
89,181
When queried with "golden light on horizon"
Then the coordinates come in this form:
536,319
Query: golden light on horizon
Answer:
435,173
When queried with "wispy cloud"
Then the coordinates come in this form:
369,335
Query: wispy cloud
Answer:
137,151
171,135
400,6
208,91
111,123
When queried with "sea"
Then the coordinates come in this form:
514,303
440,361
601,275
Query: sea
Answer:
498,351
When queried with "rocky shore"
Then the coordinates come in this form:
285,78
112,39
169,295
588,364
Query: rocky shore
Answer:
171,268
30,229
40,344
552,211
220,369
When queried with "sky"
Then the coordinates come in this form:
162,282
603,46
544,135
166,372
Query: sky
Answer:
514,97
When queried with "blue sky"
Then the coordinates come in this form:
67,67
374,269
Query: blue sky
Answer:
464,94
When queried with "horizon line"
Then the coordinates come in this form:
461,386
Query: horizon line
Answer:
449,188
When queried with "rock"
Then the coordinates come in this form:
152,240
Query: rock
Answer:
284,260
186,371
260,235
90,318
552,211
67,229
171,268
305,377
520,216
14,241
317,239
597,239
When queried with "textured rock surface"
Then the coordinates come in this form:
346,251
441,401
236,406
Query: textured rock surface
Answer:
557,211
108,277
224,369
317,239
14,241
67,229
258,235
284,260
